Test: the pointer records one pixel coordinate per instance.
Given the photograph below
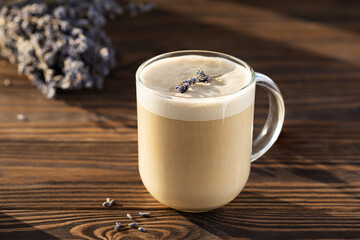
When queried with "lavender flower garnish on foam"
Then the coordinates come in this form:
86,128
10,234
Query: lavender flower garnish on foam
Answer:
184,86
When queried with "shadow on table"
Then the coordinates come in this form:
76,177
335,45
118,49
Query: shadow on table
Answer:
16,229
324,12
266,216
277,219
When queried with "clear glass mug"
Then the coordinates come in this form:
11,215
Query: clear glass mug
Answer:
200,164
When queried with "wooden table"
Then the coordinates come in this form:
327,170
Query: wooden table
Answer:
58,166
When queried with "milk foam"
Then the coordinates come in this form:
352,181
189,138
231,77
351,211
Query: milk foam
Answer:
217,99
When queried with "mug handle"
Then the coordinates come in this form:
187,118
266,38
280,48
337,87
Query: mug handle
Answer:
275,119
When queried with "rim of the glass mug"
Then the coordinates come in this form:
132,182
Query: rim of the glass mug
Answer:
194,52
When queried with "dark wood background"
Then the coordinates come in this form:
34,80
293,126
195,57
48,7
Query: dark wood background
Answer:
58,167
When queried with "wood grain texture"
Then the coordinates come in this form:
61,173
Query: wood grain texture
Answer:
58,166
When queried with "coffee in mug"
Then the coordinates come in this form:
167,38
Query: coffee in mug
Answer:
195,123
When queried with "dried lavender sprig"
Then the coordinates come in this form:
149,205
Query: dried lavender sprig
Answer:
34,29
185,85
60,44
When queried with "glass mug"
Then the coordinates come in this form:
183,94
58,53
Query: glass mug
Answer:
193,156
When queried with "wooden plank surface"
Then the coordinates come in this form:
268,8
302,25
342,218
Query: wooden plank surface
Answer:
58,166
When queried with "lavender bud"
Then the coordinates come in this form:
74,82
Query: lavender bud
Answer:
64,26
60,12
108,203
146,214
117,226
21,117
7,82
104,52
133,224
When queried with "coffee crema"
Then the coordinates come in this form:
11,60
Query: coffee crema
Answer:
195,147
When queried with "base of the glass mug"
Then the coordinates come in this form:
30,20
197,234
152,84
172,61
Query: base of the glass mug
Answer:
193,211
197,210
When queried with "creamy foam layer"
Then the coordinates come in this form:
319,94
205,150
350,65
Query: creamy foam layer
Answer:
217,99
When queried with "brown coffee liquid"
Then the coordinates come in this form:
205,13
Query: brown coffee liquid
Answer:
194,165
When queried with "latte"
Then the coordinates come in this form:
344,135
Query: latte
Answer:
195,147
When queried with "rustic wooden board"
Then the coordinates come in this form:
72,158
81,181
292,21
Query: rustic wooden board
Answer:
58,166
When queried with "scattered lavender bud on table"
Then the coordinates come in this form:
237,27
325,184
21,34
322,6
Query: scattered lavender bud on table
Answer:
129,216
117,226
7,82
142,229
133,224
21,117
146,214
108,203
